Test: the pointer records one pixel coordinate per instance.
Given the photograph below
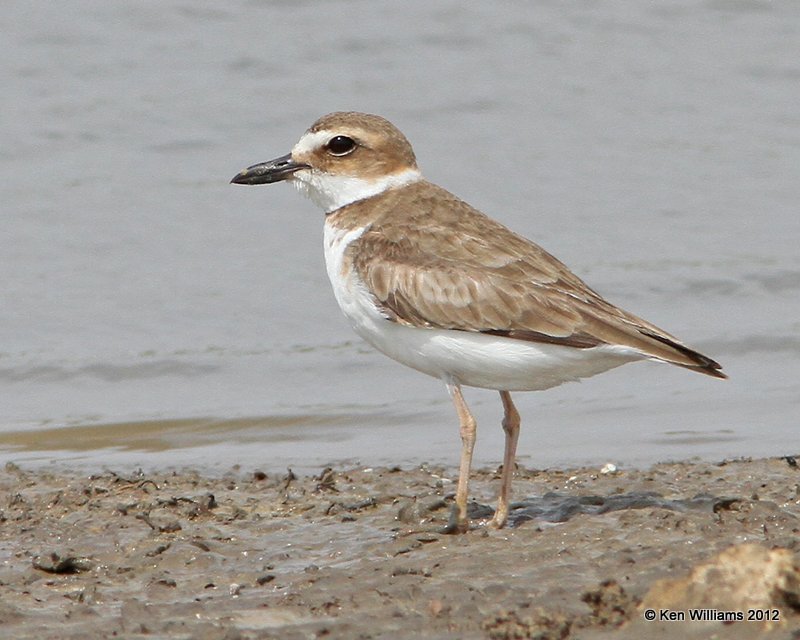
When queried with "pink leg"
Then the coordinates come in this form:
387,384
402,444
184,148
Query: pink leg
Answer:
468,428
511,427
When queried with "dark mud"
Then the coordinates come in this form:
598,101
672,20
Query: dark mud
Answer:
359,553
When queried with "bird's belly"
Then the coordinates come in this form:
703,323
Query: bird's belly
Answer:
490,362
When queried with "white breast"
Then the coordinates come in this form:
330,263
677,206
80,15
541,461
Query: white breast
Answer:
351,293
471,359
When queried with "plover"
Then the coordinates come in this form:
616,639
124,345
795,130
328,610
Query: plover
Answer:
440,287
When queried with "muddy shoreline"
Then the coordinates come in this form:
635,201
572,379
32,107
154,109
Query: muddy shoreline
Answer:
359,553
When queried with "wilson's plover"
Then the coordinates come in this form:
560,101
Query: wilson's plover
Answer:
440,287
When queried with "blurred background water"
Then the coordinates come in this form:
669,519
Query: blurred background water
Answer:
152,314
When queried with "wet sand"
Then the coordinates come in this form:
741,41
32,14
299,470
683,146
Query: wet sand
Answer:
359,553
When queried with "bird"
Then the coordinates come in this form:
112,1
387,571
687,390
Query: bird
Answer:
440,287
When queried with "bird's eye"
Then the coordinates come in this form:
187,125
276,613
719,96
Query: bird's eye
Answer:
340,145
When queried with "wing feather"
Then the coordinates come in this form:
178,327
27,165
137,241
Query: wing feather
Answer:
458,269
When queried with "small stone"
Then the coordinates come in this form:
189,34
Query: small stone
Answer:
55,562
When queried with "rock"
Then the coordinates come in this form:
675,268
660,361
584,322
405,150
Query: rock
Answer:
742,577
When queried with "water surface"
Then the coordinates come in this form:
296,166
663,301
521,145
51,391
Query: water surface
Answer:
153,314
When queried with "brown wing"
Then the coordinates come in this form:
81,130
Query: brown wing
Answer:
461,270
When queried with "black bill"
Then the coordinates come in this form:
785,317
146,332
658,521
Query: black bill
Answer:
267,172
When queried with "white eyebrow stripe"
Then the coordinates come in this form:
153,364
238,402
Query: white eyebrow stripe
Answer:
311,141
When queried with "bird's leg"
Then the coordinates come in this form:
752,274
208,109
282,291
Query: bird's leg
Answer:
458,521
511,427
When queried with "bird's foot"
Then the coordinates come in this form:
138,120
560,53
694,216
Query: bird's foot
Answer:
457,522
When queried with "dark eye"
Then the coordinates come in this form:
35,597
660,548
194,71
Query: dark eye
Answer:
340,145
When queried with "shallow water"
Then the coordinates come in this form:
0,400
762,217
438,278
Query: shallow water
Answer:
155,315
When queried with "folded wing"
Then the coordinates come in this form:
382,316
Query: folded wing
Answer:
466,277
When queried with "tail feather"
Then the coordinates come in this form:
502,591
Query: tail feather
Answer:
700,363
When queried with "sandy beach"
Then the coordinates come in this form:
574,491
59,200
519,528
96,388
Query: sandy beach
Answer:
359,553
